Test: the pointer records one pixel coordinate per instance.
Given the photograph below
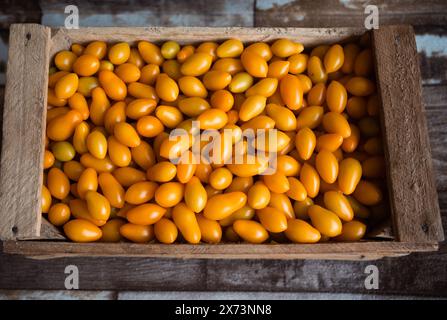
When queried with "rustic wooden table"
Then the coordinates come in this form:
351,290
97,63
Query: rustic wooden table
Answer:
417,274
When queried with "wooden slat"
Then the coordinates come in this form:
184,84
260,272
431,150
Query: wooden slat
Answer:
356,251
308,36
336,13
23,131
413,196
153,13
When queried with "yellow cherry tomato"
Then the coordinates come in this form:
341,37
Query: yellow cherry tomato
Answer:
336,97
334,58
315,70
310,179
98,205
195,195
297,190
350,173
186,221
221,206
283,117
128,72
106,65
149,126
251,231
305,142
317,95
301,207
291,91
211,231
262,49
352,231
194,106
220,178
162,172
310,117
298,63
278,69
325,221
272,219
216,80
169,194
165,231
119,153
46,200
86,65
265,87
97,144
140,192
66,86
197,64
252,107
192,87
258,196
111,230
284,48
137,233
104,165
212,119
166,88
128,176
300,231
64,60
169,116
140,107
282,202
126,134
63,151
336,202
48,159
88,181
230,49
363,65
329,141
149,74
114,87
240,82
327,166
150,53
350,52
58,183
145,214
360,211
169,49
368,193
97,49
86,85
111,189
360,86
78,102
334,122
277,182
59,214
254,64
79,230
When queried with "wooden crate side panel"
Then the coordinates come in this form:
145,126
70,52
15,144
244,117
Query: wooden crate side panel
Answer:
23,131
356,251
413,197
62,38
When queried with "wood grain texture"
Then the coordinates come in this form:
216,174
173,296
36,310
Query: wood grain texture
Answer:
308,36
413,196
152,13
335,13
350,251
420,274
23,132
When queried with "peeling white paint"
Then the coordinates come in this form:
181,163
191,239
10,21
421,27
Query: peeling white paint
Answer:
269,4
432,45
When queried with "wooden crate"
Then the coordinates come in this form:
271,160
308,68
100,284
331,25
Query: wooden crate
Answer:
414,206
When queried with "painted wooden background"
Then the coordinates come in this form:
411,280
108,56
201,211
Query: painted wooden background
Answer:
417,274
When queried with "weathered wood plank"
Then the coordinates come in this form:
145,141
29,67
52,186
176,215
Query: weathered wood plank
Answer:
413,197
19,11
407,275
23,125
154,13
350,251
338,13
